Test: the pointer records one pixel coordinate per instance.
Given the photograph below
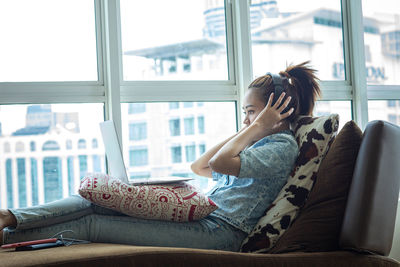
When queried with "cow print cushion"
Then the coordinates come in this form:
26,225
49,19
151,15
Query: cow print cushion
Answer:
314,136
179,202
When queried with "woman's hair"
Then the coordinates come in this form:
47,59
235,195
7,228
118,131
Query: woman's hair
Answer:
299,82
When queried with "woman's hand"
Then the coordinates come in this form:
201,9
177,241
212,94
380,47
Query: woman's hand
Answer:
226,159
201,166
271,117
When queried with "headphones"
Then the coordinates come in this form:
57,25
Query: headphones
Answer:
277,83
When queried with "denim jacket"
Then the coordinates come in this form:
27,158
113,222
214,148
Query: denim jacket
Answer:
264,169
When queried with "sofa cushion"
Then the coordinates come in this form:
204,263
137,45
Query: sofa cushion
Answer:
178,202
317,227
314,136
112,255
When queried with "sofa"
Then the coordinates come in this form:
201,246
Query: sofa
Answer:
363,236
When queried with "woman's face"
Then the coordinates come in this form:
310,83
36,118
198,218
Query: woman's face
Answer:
253,104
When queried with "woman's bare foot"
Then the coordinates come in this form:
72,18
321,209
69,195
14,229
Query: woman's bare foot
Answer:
6,219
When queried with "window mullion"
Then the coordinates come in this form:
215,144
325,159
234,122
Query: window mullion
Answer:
242,49
383,92
336,91
354,43
112,62
230,41
99,44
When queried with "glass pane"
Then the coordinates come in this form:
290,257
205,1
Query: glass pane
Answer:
382,41
343,108
47,40
175,137
173,40
285,32
46,150
387,110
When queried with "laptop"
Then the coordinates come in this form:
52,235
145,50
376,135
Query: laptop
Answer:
116,163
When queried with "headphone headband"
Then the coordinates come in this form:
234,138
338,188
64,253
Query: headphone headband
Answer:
278,85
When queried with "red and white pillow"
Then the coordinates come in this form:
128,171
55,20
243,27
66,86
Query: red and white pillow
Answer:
314,136
179,202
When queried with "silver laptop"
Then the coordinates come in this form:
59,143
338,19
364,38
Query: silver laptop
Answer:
115,159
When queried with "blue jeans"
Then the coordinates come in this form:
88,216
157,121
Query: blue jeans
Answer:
96,224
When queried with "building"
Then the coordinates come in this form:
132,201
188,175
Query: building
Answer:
315,35
163,139
44,161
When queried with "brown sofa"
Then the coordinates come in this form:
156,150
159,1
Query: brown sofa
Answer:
365,238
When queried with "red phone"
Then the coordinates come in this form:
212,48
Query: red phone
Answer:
27,243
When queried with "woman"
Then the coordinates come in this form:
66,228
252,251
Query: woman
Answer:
250,168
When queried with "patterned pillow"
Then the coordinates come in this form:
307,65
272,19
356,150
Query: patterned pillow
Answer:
314,136
179,202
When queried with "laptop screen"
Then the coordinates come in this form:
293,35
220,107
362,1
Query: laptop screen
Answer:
113,151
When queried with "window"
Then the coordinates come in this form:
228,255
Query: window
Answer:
392,118
32,145
189,126
343,108
173,105
285,33
202,149
81,144
391,103
45,43
34,179
367,54
71,177
83,166
135,108
137,131
19,147
68,144
174,127
9,182
382,16
52,178
94,143
379,110
138,156
44,130
50,145
169,149
382,77
176,154
21,182
200,124
188,45
96,163
190,153
187,104
7,148
189,57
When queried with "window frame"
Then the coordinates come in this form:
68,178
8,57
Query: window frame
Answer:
111,90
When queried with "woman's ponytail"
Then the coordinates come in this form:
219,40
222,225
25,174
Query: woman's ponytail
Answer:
303,83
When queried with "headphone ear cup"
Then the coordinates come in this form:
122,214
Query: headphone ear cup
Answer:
276,96
279,85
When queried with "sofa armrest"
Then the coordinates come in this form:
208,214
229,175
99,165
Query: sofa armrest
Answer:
369,220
